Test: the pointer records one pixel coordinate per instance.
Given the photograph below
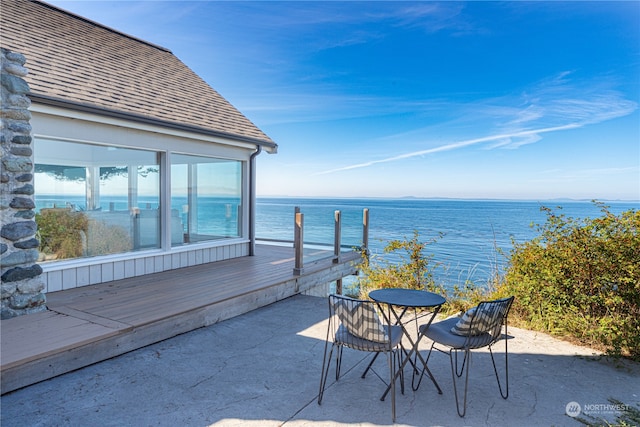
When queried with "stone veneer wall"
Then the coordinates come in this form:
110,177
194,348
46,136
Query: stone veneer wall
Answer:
21,284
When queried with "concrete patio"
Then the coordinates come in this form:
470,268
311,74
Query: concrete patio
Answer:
263,368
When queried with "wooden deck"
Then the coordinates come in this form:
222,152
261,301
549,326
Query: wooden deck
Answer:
93,323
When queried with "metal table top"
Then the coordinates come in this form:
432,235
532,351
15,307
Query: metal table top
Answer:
407,297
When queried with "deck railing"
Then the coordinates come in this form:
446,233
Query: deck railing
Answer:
299,244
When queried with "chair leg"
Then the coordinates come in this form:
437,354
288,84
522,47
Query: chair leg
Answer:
464,361
326,363
504,393
454,374
421,373
338,362
373,359
392,372
398,355
399,363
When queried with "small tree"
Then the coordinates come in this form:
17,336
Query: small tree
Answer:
581,278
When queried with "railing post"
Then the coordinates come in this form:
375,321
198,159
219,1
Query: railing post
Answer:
337,216
298,233
365,231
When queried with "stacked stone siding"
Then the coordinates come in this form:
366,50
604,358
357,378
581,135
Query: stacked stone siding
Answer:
21,284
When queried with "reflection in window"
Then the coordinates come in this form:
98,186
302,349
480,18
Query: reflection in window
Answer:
94,200
206,193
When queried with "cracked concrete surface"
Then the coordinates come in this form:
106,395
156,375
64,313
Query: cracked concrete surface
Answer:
263,369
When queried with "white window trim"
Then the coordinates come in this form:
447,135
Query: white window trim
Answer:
50,122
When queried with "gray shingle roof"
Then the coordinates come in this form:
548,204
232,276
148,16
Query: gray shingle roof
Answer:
82,64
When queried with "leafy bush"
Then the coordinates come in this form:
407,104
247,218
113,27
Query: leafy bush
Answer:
62,232
577,279
69,234
413,272
581,278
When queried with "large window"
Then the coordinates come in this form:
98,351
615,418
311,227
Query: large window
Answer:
207,195
95,200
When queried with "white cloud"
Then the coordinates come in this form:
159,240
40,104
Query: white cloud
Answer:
553,105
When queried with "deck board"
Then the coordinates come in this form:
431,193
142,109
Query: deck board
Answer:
42,339
88,324
131,301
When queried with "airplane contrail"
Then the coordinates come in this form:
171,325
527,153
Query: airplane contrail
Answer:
453,146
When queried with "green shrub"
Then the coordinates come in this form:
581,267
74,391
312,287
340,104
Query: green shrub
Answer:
581,279
413,272
578,279
62,232
66,234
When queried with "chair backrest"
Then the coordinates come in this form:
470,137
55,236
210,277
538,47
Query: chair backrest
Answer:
488,317
359,318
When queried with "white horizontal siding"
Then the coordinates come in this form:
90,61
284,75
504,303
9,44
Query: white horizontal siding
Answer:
58,278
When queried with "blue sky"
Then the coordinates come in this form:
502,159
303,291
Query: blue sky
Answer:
515,100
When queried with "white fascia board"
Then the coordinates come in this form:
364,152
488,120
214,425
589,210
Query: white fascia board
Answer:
112,121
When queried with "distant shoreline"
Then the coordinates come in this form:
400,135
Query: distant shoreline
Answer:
479,199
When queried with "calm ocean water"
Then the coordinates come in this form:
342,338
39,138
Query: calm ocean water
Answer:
472,229
476,233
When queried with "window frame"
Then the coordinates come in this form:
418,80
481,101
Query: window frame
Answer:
160,144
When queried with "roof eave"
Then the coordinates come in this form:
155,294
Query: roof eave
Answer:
268,145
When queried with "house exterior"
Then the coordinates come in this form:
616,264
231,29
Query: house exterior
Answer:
147,166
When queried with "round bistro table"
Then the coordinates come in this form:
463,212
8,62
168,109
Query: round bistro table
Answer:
399,301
